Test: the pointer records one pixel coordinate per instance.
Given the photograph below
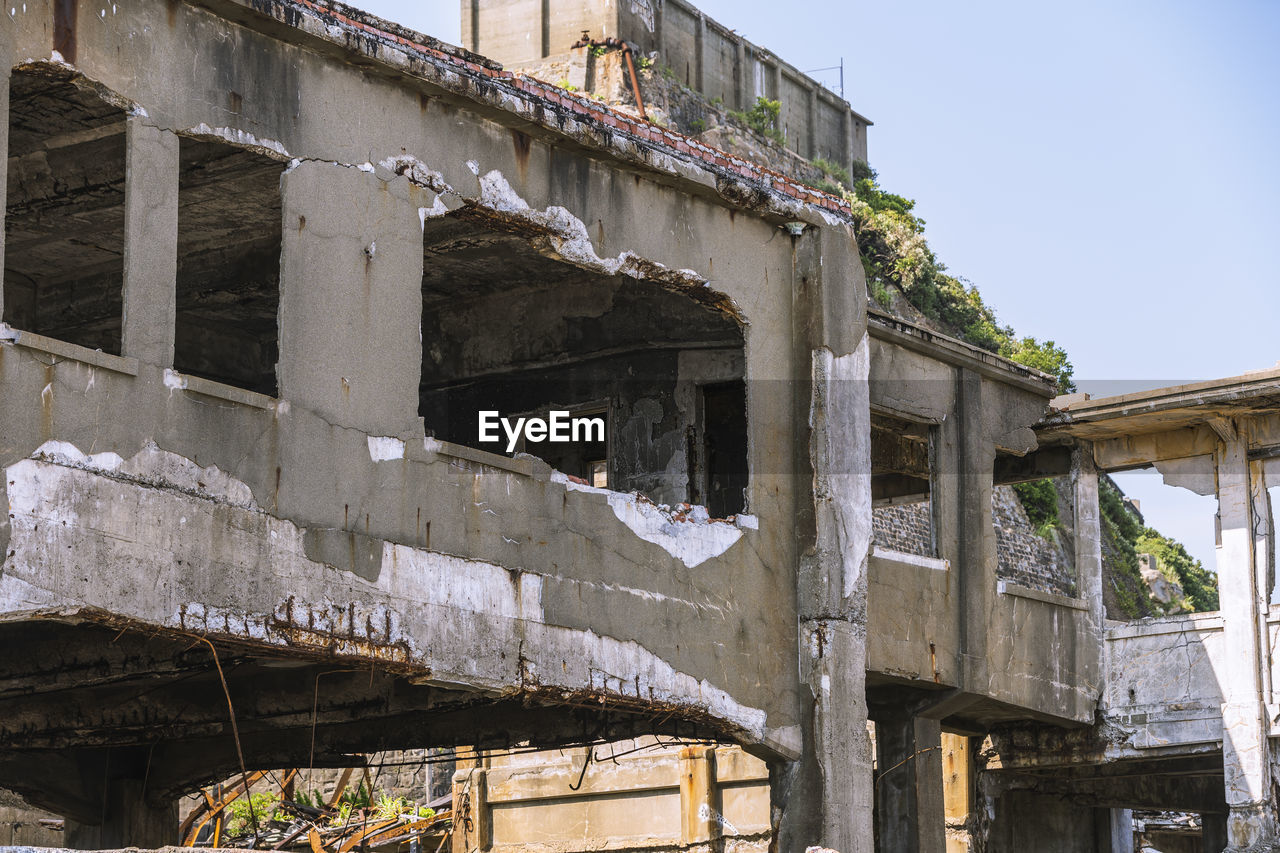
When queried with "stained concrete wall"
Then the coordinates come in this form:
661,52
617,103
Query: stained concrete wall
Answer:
928,616
322,522
700,52
1163,680
630,795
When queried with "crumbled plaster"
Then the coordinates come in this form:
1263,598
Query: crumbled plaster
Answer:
384,448
690,536
565,236
464,621
241,138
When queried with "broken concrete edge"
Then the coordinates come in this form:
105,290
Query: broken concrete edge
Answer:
769,743
1076,408
587,122
56,68
316,630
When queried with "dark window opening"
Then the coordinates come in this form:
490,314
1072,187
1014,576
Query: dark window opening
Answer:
724,431
64,211
228,289
510,331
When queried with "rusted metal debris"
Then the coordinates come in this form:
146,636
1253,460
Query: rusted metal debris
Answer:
335,827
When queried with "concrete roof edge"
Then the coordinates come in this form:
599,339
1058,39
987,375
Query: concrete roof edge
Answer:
738,182
1206,394
959,353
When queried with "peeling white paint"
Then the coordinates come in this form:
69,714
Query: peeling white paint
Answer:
693,539
384,448
170,552
173,380
240,137
65,453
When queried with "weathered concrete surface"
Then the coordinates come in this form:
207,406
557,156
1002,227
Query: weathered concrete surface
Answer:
307,525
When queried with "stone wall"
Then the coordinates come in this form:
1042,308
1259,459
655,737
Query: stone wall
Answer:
1025,557
905,528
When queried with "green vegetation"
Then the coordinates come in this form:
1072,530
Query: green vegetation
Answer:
697,125
1199,585
832,172
564,83
895,254
1121,529
763,118
1040,501
241,812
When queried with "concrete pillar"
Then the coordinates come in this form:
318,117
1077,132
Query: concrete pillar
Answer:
910,814
544,29
846,137
742,77
1087,534
351,297
698,806
811,123
1213,832
700,55
4,153
966,536
150,242
471,815
129,820
825,797
1114,830
957,790
1246,755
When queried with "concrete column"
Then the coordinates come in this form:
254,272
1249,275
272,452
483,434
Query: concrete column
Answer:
974,536
1115,830
1246,756
910,814
743,77
957,788
130,820
471,821
1213,832
700,51
4,153
777,82
846,138
351,297
698,806
825,798
150,242
544,29
811,124
1087,534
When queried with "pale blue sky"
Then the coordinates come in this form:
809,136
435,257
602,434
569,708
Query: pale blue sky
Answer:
1107,173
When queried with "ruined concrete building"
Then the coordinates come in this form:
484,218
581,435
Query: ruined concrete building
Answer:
265,264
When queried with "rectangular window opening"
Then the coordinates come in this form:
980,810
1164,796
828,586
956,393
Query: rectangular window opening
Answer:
228,289
901,486
724,449
64,211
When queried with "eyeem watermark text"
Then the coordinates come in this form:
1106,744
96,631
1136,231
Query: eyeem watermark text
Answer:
558,426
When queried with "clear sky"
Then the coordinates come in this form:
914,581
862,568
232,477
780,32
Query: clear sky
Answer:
1107,173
